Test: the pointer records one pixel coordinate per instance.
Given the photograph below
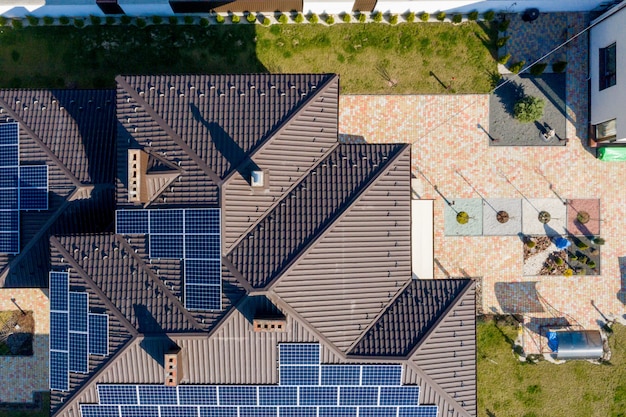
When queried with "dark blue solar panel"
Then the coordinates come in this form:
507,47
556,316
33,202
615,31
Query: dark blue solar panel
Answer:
98,334
381,375
277,395
203,297
258,412
79,358
59,372
78,311
8,177
33,199
297,411
202,247
423,411
337,412
9,156
202,221
378,411
358,395
34,176
318,395
132,222
237,395
404,395
9,133
8,199
299,375
117,394
9,242
89,410
218,411
203,271
139,411
58,330
9,221
197,395
178,411
157,395
59,290
166,246
341,374
166,222
299,353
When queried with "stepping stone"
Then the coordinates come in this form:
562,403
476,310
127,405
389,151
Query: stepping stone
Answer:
473,209
557,211
502,216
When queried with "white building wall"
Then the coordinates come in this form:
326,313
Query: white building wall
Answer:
609,103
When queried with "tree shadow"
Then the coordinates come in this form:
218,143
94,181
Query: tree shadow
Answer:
508,93
490,37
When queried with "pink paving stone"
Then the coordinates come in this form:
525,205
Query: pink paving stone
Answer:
592,207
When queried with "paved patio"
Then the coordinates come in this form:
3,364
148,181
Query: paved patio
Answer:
448,135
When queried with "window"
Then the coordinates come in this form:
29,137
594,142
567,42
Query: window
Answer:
608,65
606,131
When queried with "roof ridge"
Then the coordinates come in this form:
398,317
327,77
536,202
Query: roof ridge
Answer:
173,135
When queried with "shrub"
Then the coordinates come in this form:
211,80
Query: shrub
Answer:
489,15
79,23
504,59
32,20
393,19
559,261
17,23
125,20
189,20
219,18
47,20
173,20
504,25
362,17
299,18
581,245
441,16
110,20
235,18
204,22
157,20
314,18
568,272
266,21
502,41
424,17
410,17
377,17
330,19
457,18
531,244
140,22
528,109
538,69
95,20
559,66
517,67
473,15
598,241
251,18
3,20
573,257
283,19
346,18
591,264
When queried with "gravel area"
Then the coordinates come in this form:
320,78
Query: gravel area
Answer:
504,130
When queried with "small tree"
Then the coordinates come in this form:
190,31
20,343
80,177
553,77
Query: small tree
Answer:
502,41
559,66
173,20
95,20
140,22
125,20
504,59
32,20
489,15
283,19
393,19
219,19
517,67
204,22
17,23
441,16
473,15
377,17
110,20
157,20
457,18
266,21
504,25
330,20
314,18
529,109
424,17
346,18
598,241
48,20
410,18
78,22
235,18
64,20
188,20
299,18
362,17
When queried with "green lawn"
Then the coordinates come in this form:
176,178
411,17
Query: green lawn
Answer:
371,58
509,388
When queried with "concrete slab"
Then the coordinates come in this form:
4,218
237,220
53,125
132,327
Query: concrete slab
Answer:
530,217
589,205
492,226
422,239
474,209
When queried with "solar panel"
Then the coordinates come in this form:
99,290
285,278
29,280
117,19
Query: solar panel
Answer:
381,375
157,394
218,412
237,395
35,176
358,395
378,412
98,334
90,410
9,243
403,395
79,302
337,412
166,222
203,297
8,177
59,375
8,199
258,412
277,395
139,411
9,133
299,375
59,323
178,411
118,394
202,221
166,246
297,411
203,271
422,411
9,156
79,358
34,199
59,290
341,374
131,222
318,395
197,395
299,353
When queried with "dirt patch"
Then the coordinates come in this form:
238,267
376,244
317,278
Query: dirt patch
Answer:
16,333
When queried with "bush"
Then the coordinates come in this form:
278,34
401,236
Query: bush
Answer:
559,261
538,69
393,19
140,22
64,20
568,272
573,257
531,244
377,17
17,23
157,20
504,59
283,19
173,20
346,18
559,66
489,15
47,20
330,19
204,22
3,20
189,20
598,241
504,25
362,17
299,18
581,245
235,18
441,16
219,18
125,20
517,67
95,20
424,17
251,18
472,16
314,18
457,18
266,21
79,23
528,109
410,18
591,264
110,20
32,20
502,41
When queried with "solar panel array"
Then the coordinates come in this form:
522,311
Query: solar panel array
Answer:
192,235
74,332
339,391
21,188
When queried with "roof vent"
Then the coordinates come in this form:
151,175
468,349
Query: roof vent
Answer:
258,179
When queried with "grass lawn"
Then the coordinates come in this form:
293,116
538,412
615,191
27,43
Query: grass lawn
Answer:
509,388
371,58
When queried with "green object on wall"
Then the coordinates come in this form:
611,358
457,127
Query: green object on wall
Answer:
612,154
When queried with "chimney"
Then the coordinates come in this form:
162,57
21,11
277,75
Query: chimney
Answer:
173,366
270,325
137,166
